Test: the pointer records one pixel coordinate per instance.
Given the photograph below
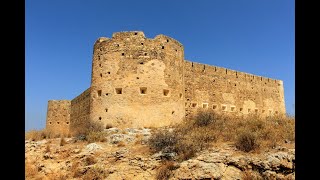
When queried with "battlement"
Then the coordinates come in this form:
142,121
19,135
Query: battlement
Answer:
216,70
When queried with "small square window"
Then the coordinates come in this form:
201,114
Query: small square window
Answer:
165,92
194,105
276,112
263,111
204,105
214,106
256,110
224,107
241,109
232,108
99,92
118,90
143,90
249,110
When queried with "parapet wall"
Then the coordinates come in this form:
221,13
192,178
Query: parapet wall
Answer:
58,116
80,110
229,91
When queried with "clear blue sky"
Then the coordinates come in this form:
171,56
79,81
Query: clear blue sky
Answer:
254,36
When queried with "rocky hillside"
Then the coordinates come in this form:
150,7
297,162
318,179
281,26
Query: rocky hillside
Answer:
125,155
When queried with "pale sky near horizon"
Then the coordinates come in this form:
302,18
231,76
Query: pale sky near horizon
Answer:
256,37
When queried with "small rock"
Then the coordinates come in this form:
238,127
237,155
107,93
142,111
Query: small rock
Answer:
93,147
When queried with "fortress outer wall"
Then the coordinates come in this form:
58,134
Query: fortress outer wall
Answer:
58,116
231,92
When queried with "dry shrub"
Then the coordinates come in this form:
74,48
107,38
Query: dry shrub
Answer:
96,136
246,141
35,135
90,160
249,133
95,173
165,170
164,140
75,170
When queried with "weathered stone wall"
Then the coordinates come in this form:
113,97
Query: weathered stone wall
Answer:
137,81
80,110
58,116
230,91
142,82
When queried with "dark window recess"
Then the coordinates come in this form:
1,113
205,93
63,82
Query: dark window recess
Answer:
100,65
109,72
165,92
167,40
67,122
106,109
100,74
138,78
50,122
99,92
235,84
141,62
226,71
58,122
119,90
145,54
241,109
100,118
214,106
122,54
194,105
172,112
143,90
162,47
107,94
141,43
180,95
135,33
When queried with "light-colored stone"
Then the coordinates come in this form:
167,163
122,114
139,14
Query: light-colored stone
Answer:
141,82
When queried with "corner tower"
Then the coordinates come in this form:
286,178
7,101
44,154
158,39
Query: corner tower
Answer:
137,81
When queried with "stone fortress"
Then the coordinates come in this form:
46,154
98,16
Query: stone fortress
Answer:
142,82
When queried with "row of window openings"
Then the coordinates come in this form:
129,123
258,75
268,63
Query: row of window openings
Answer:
100,118
232,108
143,90
58,122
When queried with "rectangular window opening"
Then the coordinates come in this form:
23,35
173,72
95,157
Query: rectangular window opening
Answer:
249,110
99,92
194,105
143,90
232,108
214,106
224,107
166,92
256,111
118,90
204,105
241,109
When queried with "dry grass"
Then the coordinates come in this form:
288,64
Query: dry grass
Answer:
251,133
90,160
165,170
30,170
96,136
94,173
37,135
